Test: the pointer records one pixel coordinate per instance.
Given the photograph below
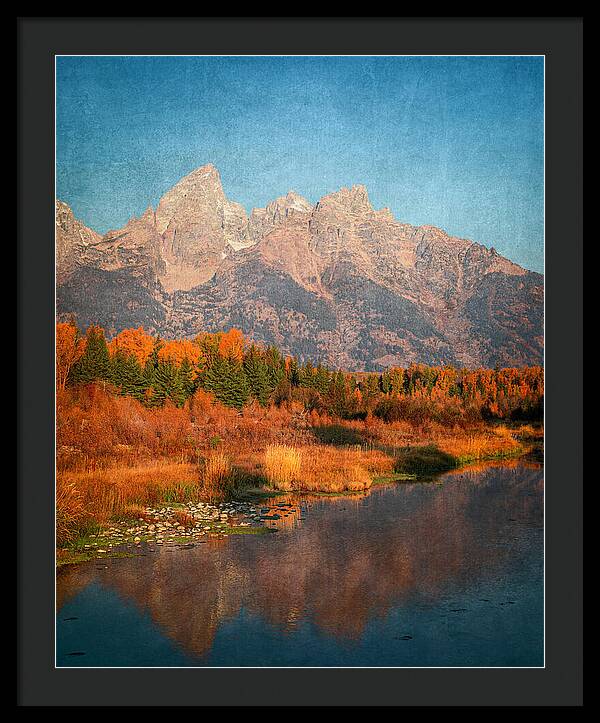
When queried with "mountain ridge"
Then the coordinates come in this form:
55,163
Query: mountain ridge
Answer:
336,280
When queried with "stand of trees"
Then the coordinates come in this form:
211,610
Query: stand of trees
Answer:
238,373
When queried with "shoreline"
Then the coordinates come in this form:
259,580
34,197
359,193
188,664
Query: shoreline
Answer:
163,524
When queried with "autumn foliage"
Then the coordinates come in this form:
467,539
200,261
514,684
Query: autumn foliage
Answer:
141,420
133,342
176,351
69,349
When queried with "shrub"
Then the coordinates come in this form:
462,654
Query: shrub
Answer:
282,466
424,460
396,409
337,434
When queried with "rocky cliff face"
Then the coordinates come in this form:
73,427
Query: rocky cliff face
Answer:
338,281
75,243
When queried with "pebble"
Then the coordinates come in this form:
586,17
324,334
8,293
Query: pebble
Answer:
160,526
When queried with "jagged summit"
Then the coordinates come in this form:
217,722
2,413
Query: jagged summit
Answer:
199,191
351,200
337,280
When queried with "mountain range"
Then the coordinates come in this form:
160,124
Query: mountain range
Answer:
338,281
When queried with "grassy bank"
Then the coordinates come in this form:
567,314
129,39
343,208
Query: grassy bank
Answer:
91,499
143,422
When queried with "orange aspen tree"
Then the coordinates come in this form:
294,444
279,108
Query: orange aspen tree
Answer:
133,342
231,345
69,348
178,350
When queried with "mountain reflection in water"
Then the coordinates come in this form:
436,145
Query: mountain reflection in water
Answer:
458,560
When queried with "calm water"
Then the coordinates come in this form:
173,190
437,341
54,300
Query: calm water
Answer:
427,574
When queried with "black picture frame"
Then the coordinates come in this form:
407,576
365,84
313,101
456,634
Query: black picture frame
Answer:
560,40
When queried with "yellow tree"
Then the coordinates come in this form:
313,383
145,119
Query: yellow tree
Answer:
133,342
69,349
177,350
231,345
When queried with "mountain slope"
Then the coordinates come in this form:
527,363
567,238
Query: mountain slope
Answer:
338,281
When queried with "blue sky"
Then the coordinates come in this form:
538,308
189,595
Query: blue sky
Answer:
456,142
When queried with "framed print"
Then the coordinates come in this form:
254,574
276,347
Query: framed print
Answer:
304,352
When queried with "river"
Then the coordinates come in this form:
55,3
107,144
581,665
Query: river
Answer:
442,573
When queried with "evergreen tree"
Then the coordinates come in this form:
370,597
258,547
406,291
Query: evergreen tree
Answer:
337,395
167,385
153,362
385,383
257,375
226,379
293,373
306,375
321,379
372,385
186,376
397,381
275,366
126,374
117,363
94,364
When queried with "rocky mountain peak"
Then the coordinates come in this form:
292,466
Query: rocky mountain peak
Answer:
73,240
148,215
283,210
200,193
353,200
287,205
295,200
63,212
337,281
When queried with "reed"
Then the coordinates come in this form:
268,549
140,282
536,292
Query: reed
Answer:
282,466
216,476
324,468
116,457
102,494
69,511
474,446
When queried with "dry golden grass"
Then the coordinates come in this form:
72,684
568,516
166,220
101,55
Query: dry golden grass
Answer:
528,431
69,510
136,510
480,445
101,494
216,476
115,457
324,468
282,466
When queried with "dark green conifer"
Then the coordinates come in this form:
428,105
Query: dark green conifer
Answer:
186,376
275,366
152,364
94,364
257,376
306,375
385,383
293,373
226,379
321,379
167,385
127,376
